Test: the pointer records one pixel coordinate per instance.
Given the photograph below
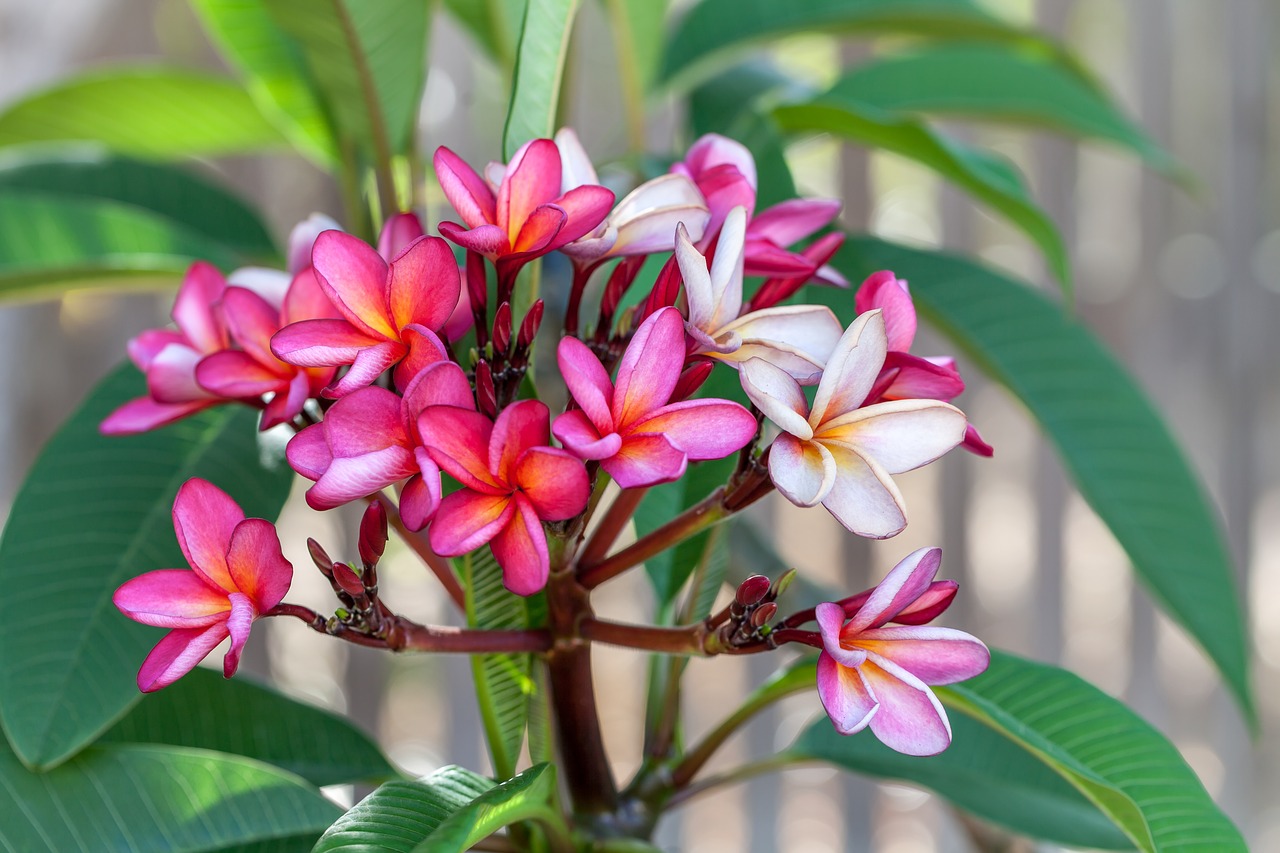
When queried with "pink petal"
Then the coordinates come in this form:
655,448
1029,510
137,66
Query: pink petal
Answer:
171,377
397,233
267,283
420,496
850,705
424,284
793,220
803,471
575,165
288,402
354,277
851,369
585,208
889,293
646,219
901,435
703,429
554,482
908,377
649,369
712,149
910,720
193,309
588,382
580,437
646,460
488,240
972,442
931,604
350,478
145,414
531,181
760,257
425,349
145,347
521,549
171,598
461,320
538,234
458,441
519,427
466,191
204,517
320,343
238,624
177,653
441,384
233,373
467,519
830,619
303,237
365,421
308,452
257,564
778,395
906,582
251,322
863,497
933,655
306,300
370,363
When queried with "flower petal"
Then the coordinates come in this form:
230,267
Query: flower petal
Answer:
911,719
442,383
830,619
233,373
320,343
909,377
650,368
353,477
239,622
793,220
704,428
466,190
288,401
177,653
204,517
906,582
458,441
193,308
308,452
519,427
575,165
727,267
588,382
424,284
810,329
369,364
863,497
886,291
397,233
900,435
646,459
521,549
532,180
538,234
933,655
554,482
488,240
145,414
425,349
354,277
421,494
803,471
778,395
585,207
467,519
850,705
171,376
852,369
257,564
580,437
171,598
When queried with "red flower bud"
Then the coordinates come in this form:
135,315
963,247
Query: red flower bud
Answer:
502,329
752,590
764,614
348,580
373,533
529,327
486,394
320,558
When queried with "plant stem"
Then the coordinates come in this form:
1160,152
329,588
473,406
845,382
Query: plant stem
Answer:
672,641
611,525
694,520
628,75
405,635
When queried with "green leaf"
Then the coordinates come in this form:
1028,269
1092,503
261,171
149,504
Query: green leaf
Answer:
982,772
274,70
78,209
150,112
1111,439
535,92
154,799
504,682
1119,762
638,27
524,797
93,512
992,81
207,711
986,176
714,29
494,24
367,59
669,570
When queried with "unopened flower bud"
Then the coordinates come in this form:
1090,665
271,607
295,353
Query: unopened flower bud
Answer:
502,328
690,381
764,614
752,590
783,582
320,558
486,394
346,578
530,325
477,281
373,533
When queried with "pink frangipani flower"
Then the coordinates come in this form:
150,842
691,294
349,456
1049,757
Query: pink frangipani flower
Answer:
632,428
842,453
511,483
794,338
874,676
390,310
237,574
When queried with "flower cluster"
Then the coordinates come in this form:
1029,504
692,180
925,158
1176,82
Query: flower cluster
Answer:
405,366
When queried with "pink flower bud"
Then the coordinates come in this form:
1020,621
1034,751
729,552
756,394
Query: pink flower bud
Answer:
764,614
346,578
752,590
373,533
486,394
529,326
320,558
502,328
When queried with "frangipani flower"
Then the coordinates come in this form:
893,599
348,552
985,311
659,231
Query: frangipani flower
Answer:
237,574
640,438
644,222
795,338
841,452
879,677
529,215
511,483
391,310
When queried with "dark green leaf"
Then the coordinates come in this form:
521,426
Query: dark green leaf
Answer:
157,799
717,28
367,59
272,66
522,798
986,176
992,81
504,682
207,711
984,773
535,92
495,25
93,512
394,818
150,112
1112,441
1125,767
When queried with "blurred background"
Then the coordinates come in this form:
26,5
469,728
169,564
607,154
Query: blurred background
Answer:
1183,285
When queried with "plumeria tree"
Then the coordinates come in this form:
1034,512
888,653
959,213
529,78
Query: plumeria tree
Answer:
556,383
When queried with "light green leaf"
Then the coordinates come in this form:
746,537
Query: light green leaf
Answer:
638,27
93,512
494,24
715,30
982,772
986,176
367,60
1112,441
999,82
504,682
1125,767
150,112
157,799
544,43
236,716
524,797
273,68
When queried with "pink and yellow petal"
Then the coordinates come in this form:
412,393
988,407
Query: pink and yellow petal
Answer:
171,598
905,583
646,459
424,284
650,368
257,564
911,720
468,519
554,482
703,428
847,699
204,517
803,471
863,497
354,277
521,550
933,655
901,435
177,653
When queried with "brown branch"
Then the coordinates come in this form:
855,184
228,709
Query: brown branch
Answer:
611,525
405,635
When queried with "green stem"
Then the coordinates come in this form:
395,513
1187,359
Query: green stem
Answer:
732,777
628,75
